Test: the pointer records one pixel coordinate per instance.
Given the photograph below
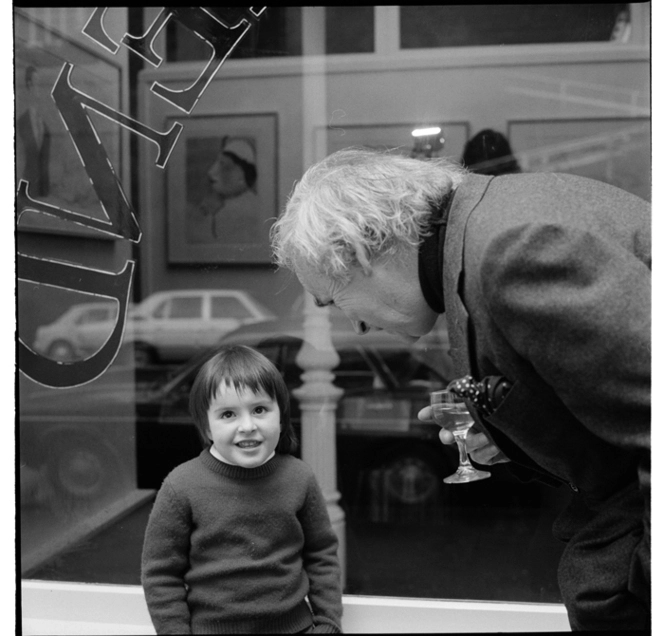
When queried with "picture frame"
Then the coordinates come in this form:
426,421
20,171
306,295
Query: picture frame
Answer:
615,150
46,156
221,190
395,138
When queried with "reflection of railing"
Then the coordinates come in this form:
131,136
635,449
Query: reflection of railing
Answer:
580,152
633,102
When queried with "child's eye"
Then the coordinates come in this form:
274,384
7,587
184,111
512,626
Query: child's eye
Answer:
226,414
260,410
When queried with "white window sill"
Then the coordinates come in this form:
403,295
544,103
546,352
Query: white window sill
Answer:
76,608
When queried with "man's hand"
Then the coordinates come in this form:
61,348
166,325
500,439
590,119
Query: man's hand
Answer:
479,447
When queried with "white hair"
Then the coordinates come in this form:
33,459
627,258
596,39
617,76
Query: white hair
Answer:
359,205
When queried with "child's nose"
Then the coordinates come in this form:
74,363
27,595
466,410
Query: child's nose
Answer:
247,423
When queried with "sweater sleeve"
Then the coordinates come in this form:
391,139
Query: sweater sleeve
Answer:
165,561
576,307
321,562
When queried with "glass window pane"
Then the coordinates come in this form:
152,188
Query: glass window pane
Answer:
162,309
229,307
349,29
186,307
487,25
99,314
93,454
277,33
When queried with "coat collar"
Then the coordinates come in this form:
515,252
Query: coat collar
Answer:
467,197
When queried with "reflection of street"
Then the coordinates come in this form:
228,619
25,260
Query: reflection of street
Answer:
480,544
45,535
78,333
165,326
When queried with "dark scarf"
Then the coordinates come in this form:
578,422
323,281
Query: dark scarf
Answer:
430,261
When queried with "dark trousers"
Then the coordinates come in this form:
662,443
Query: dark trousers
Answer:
604,573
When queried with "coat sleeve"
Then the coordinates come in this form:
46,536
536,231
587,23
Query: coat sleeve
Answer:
165,561
321,562
577,308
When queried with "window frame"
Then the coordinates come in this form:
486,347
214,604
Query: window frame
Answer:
388,56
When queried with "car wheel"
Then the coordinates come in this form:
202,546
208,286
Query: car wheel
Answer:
83,468
61,351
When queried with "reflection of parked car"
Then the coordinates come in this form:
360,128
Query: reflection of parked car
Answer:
77,333
384,385
174,325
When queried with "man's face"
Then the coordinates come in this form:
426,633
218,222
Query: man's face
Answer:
385,298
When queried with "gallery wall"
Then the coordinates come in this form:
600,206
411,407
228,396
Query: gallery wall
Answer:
356,93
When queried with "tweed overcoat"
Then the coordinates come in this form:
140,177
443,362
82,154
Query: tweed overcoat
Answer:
547,281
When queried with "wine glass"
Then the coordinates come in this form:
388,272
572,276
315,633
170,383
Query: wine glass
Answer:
450,411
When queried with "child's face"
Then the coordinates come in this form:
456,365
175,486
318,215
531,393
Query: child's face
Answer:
244,427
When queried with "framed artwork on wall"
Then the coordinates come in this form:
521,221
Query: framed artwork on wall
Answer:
394,138
614,150
221,190
46,156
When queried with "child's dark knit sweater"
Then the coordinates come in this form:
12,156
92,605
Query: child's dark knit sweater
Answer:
236,550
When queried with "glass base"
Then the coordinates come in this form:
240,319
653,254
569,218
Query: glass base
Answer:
466,474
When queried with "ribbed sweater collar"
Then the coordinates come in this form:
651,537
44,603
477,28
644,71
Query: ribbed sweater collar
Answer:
238,472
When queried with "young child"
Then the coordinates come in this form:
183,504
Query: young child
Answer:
239,539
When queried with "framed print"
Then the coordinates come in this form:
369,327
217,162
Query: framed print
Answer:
221,190
613,150
46,156
393,137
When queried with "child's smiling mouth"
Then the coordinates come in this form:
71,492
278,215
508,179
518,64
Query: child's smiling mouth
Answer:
250,443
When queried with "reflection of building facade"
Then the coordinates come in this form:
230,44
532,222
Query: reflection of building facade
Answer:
403,527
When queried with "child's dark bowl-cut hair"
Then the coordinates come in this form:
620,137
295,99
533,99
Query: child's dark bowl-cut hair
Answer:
241,367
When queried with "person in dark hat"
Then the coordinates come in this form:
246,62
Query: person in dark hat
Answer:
489,152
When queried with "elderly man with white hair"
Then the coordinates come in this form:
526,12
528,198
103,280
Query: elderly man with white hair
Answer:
545,282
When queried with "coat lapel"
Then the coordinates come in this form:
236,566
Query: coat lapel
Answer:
467,197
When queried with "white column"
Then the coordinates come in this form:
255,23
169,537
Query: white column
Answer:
318,397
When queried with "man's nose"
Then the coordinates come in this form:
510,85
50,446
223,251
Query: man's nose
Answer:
360,327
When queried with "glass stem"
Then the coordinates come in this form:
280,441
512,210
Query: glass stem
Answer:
460,438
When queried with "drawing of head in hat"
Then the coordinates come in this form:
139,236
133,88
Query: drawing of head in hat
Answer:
234,170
